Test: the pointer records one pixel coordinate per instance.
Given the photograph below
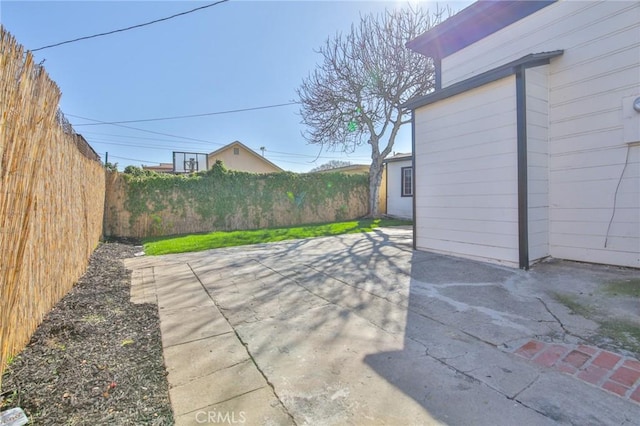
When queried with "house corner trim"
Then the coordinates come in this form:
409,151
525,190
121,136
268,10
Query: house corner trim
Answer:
523,190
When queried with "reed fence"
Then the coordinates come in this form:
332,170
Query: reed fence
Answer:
51,198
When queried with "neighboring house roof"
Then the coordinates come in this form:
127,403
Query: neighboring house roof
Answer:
161,168
398,157
238,144
528,61
471,24
350,169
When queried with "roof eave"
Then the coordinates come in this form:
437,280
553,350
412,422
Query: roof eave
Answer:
407,157
255,154
471,24
528,61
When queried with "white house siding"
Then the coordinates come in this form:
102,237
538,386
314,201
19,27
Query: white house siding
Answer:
466,174
590,88
538,161
397,205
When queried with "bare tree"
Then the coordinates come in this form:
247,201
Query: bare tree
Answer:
355,94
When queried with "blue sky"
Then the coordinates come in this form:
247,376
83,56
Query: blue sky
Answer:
239,54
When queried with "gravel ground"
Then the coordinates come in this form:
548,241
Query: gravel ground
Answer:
96,358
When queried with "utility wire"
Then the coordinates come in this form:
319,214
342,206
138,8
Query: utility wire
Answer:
272,154
177,117
148,131
615,195
155,162
200,141
127,136
131,27
134,159
154,147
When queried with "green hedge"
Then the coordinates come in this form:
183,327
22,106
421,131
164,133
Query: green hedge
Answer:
218,194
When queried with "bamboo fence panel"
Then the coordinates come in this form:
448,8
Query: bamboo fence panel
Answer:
51,199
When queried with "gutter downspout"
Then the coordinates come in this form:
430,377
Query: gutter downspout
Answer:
385,168
413,172
523,190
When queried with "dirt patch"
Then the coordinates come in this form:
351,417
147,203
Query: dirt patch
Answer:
96,358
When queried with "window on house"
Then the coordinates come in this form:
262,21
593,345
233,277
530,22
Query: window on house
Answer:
407,181
236,151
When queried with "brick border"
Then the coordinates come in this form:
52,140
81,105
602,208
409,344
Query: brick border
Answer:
612,372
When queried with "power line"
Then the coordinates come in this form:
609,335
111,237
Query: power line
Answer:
278,158
127,136
273,154
131,27
177,117
155,162
129,145
147,131
134,159
200,141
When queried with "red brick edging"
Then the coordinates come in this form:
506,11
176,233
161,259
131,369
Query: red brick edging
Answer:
606,370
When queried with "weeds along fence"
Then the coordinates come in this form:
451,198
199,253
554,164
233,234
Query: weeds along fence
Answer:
51,198
220,200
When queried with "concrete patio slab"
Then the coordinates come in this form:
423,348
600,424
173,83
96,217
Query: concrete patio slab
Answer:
145,292
188,361
182,325
559,398
237,379
259,407
494,368
360,329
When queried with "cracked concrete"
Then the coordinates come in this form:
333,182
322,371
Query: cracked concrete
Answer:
359,329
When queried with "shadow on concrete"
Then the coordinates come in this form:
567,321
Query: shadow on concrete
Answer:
468,316
439,329
446,291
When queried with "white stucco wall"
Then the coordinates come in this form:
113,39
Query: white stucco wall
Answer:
397,205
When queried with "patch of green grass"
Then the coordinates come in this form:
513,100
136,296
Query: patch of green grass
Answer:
93,319
626,334
198,242
574,306
630,287
10,360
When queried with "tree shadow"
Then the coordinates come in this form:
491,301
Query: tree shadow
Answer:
328,287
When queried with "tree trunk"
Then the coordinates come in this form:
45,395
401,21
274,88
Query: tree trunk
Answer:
375,179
